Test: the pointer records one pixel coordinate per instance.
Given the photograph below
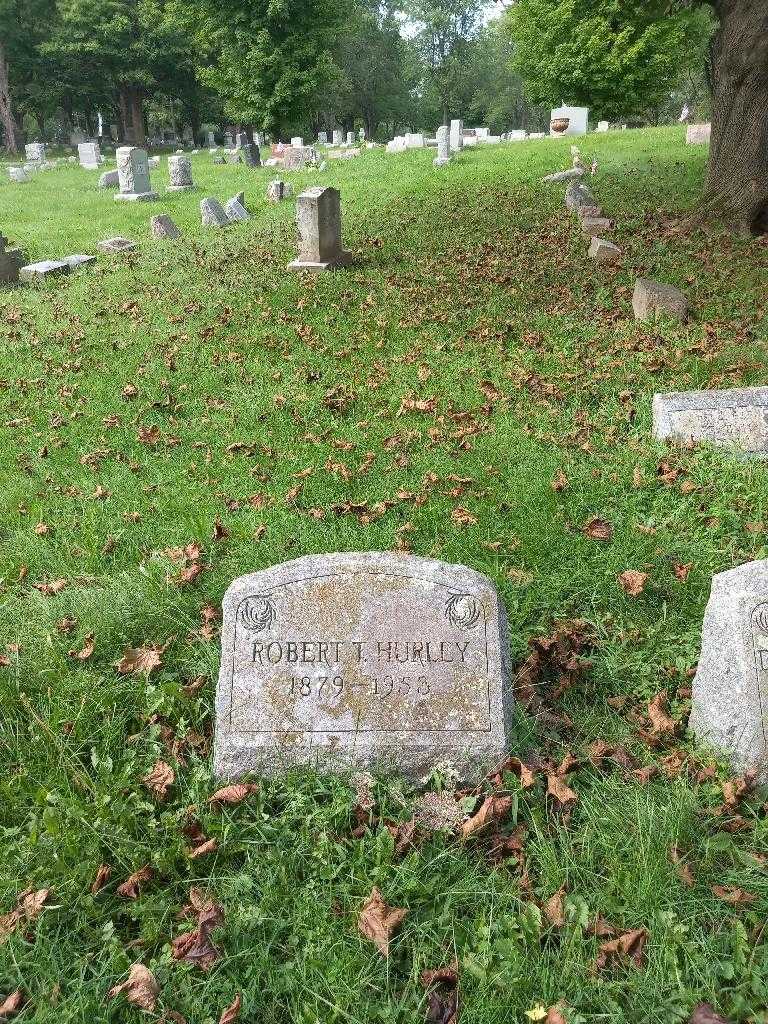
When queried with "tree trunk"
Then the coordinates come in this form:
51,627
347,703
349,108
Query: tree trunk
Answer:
737,178
137,116
6,110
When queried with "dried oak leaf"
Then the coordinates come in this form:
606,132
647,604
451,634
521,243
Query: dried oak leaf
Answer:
232,1012
630,945
89,645
131,887
683,868
443,994
378,921
705,1014
28,906
103,875
516,767
204,848
493,808
196,946
598,529
554,909
233,794
141,989
560,790
11,1005
661,724
734,790
159,779
732,894
141,660
633,582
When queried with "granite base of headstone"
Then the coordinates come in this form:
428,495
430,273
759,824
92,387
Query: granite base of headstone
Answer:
603,251
363,660
730,689
318,218
43,269
118,245
596,227
735,417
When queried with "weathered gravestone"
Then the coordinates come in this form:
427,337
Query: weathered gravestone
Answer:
350,138
735,416
180,174
35,151
322,138
42,269
18,174
89,155
10,262
457,135
443,146
698,134
247,151
337,137
362,659
212,213
162,226
603,126
730,690
236,211
133,173
277,190
596,227
653,297
603,251
318,217
118,245
211,139
109,179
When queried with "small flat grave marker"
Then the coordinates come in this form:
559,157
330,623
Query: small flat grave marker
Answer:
735,416
361,659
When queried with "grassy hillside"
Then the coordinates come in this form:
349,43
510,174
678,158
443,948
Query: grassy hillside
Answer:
191,412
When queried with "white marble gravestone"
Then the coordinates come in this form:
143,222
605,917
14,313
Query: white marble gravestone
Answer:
133,173
35,151
443,146
457,135
362,659
730,690
89,155
577,116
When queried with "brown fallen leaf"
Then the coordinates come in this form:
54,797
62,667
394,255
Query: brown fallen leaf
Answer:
516,766
629,945
209,846
141,989
232,1012
103,875
732,894
11,1005
560,481
28,906
234,794
661,724
493,808
159,779
196,946
598,529
131,887
89,645
462,517
404,835
140,660
734,790
633,582
49,589
554,909
378,921
442,995
555,1015
703,1013
560,790
683,868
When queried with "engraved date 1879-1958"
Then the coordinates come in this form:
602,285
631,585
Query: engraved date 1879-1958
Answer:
334,686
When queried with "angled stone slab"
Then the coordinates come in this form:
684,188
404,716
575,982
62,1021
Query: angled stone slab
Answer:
78,260
162,226
109,179
362,659
653,297
45,268
594,227
735,416
603,251
212,213
235,210
118,244
569,175
730,690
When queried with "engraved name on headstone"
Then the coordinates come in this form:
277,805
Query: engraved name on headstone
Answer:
362,659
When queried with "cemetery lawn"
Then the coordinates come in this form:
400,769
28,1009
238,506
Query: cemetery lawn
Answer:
474,390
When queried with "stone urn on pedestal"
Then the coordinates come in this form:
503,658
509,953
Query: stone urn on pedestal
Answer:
559,125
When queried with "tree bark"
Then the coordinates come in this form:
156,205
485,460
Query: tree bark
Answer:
737,177
6,110
137,116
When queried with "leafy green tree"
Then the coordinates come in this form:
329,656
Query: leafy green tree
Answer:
443,42
267,61
614,56
498,96
23,25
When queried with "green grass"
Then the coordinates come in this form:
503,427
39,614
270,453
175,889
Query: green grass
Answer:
467,275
